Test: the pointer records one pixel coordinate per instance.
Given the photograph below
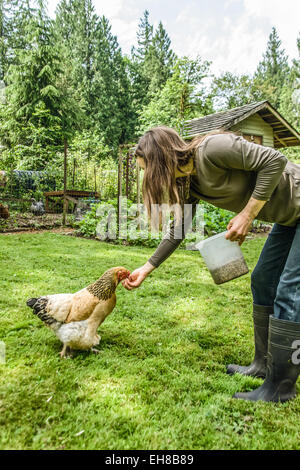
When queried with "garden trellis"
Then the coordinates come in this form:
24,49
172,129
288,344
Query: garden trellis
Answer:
106,178
128,173
129,177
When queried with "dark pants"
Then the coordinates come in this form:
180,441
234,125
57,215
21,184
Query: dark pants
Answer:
275,280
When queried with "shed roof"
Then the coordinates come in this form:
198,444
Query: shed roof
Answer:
284,133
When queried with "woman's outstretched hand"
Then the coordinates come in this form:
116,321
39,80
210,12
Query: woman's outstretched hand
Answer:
137,277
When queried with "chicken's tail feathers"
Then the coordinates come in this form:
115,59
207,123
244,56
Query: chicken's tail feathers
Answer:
31,302
39,307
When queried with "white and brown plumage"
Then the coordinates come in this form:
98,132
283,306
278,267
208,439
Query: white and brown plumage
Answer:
75,318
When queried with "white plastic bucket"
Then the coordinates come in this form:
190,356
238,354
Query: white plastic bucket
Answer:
223,258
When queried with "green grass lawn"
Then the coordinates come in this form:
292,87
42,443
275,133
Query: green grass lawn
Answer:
159,381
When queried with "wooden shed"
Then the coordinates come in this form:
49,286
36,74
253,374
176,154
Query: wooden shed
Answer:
258,122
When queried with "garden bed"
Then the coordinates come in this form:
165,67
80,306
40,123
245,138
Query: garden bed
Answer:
27,222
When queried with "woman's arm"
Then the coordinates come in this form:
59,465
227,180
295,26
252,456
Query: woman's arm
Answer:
137,277
231,152
175,234
167,246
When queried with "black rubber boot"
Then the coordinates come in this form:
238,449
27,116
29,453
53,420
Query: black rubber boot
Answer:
258,367
283,366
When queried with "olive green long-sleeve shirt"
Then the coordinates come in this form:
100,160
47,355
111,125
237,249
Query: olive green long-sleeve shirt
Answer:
230,170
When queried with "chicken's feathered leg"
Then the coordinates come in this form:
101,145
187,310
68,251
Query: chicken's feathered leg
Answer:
95,351
66,352
98,316
63,351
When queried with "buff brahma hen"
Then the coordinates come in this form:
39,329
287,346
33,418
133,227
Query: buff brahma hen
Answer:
75,318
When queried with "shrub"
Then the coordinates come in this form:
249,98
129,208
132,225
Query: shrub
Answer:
215,221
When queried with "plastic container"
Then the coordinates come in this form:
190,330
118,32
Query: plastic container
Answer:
223,258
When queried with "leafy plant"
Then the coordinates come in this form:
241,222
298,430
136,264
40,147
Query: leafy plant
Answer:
215,219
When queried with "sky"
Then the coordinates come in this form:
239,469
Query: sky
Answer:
232,34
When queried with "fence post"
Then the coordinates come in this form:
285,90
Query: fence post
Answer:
11,180
65,183
120,171
95,177
127,174
74,167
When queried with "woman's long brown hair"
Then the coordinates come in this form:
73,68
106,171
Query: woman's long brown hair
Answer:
163,150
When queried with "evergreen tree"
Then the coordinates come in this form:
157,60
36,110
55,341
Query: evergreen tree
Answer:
76,26
144,39
138,73
290,103
39,105
159,60
15,16
65,23
271,72
4,38
111,112
152,61
100,72
290,95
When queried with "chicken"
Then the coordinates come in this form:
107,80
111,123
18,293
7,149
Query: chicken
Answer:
37,208
75,318
4,212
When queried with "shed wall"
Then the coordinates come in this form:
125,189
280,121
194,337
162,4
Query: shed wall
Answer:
255,125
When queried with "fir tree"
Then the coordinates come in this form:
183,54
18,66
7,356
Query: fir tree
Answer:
159,60
15,16
99,70
290,103
4,35
138,72
110,89
76,25
39,106
271,72
144,38
152,61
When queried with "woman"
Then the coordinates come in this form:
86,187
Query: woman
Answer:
255,182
